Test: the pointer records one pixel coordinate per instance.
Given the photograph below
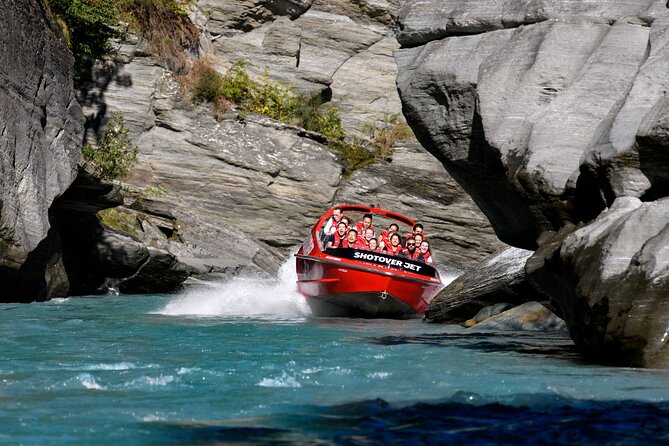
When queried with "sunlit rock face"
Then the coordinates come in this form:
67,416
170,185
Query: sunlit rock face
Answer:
547,113
341,49
41,126
244,193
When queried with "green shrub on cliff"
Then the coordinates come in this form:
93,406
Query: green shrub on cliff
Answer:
89,25
115,154
265,96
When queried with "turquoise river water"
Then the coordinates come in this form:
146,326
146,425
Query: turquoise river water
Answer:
244,363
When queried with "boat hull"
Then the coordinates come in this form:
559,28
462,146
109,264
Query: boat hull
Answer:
338,288
370,305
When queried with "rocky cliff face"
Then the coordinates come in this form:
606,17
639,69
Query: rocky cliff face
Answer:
41,126
548,113
239,196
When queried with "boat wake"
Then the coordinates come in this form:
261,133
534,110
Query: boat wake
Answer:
244,297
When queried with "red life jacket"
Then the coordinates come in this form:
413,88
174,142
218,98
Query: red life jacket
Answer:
358,227
393,251
425,258
384,237
409,255
338,240
360,245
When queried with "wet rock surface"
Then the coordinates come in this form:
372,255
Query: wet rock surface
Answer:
552,116
530,316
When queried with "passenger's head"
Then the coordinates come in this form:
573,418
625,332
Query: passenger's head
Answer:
395,239
418,238
337,214
373,244
369,234
352,236
344,219
366,220
425,246
393,228
417,228
341,228
411,244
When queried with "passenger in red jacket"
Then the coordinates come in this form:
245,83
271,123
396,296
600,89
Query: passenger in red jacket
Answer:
352,240
366,222
366,237
335,240
384,237
330,226
394,248
373,246
425,255
417,229
410,251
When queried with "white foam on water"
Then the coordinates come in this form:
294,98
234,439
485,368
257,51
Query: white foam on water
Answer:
245,297
148,381
115,366
284,380
448,275
88,381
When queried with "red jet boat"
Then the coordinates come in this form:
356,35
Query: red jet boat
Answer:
346,282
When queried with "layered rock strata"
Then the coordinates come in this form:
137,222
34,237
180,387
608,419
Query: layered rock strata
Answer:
547,113
244,193
41,125
340,49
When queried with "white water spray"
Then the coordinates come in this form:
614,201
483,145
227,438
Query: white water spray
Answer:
244,297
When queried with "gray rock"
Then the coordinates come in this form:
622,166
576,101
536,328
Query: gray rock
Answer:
422,21
521,113
340,49
119,256
499,279
161,273
611,281
488,312
41,128
547,125
628,160
530,316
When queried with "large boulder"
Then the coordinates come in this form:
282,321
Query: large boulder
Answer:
498,279
526,109
41,125
548,114
611,281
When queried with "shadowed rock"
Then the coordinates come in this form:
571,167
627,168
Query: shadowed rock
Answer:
530,316
500,278
611,281
41,126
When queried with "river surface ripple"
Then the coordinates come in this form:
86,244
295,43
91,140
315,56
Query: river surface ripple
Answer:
244,363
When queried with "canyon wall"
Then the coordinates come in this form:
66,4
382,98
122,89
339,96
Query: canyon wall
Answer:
553,117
